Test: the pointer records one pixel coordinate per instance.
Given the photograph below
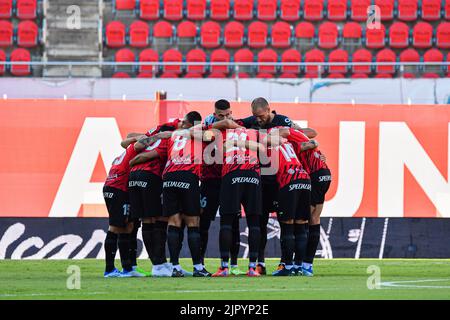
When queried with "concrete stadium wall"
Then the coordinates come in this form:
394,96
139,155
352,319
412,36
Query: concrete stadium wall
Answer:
393,91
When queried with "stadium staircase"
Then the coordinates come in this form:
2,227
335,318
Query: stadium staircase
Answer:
64,41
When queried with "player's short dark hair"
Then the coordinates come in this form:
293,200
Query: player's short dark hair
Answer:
193,116
259,103
222,104
164,128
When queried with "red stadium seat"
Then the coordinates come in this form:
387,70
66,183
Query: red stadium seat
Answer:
313,10
358,9
430,75
267,55
196,9
338,55
407,10
169,75
288,76
243,10
362,55
6,33
431,10
172,55
219,10
6,7
193,75
145,75
375,38
173,10
422,35
290,10
336,76
291,55
399,35
121,75
257,34
447,10
26,9
305,36
410,55
432,55
383,76
281,35
244,55
385,55
351,36
217,75
314,55
148,55
27,34
234,34
20,55
2,59
266,10
125,4
149,9
115,34
386,9
443,35
186,36
139,34
162,35
220,55
328,35
210,34
359,76
264,76
337,10
124,55
196,55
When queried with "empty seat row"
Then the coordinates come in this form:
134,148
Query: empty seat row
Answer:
271,58
281,35
17,55
25,35
289,10
22,9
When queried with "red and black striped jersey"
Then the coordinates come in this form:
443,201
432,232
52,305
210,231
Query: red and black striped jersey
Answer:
289,166
310,159
120,169
155,166
240,158
184,153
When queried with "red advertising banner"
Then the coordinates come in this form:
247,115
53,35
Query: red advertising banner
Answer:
386,160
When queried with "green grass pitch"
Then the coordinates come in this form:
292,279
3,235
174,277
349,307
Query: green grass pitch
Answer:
333,279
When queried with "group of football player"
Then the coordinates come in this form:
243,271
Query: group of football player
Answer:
181,174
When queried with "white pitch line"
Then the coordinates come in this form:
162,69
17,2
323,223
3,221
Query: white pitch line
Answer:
383,239
404,284
361,234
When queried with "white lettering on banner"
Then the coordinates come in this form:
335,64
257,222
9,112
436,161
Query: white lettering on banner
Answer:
12,234
350,187
408,152
98,135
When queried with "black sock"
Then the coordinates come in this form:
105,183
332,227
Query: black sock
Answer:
110,250
173,241
133,243
205,223
254,237
264,219
301,241
236,243
225,237
159,237
124,249
183,225
147,231
194,244
287,240
313,242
